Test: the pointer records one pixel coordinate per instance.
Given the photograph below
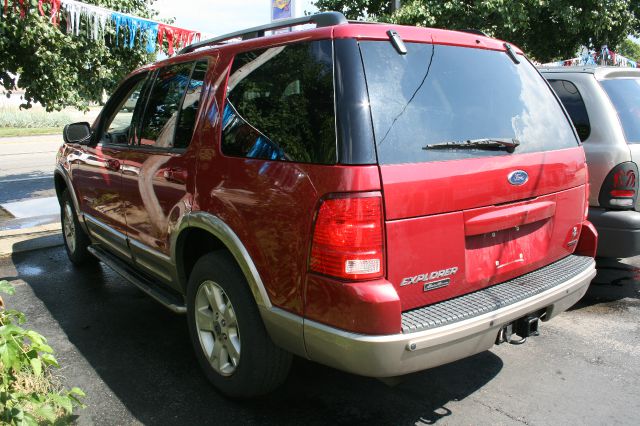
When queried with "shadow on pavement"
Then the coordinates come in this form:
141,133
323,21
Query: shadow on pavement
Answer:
44,240
143,354
616,279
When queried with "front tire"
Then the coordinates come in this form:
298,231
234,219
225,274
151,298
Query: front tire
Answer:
76,240
228,336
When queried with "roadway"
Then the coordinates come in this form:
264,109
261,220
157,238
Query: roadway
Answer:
26,180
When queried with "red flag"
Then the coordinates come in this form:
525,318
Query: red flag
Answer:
23,9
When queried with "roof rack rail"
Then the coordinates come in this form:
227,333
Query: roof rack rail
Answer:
473,31
324,19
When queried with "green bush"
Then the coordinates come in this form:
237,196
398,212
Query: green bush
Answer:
31,118
29,393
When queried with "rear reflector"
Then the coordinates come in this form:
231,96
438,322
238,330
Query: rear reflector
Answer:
348,238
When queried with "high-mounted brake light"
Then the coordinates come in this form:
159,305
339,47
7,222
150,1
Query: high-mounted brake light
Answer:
620,188
348,241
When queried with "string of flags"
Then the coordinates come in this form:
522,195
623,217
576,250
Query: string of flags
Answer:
592,57
152,34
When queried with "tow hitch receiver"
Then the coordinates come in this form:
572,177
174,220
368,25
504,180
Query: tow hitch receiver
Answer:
523,327
527,326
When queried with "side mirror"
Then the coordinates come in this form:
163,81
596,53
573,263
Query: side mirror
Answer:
76,132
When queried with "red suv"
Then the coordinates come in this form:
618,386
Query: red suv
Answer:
380,199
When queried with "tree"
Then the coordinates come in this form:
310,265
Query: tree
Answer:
546,29
630,49
58,69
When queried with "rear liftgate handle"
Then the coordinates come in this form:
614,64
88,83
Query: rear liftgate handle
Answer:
509,217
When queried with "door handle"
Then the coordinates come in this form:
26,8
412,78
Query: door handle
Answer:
176,175
113,165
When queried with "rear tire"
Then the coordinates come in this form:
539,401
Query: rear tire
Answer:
228,336
76,240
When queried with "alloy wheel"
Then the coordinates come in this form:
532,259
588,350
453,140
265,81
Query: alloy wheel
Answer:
69,227
217,328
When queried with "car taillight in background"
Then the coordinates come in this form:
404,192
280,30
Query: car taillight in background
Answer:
348,240
620,188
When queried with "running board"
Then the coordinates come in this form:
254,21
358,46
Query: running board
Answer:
164,297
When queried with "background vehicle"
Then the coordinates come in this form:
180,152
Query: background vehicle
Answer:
604,105
130,103
288,205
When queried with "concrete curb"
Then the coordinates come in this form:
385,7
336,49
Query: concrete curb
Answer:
20,240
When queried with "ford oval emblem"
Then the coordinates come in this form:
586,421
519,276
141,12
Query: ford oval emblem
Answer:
518,177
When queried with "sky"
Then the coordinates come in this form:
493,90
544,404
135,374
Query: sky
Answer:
216,17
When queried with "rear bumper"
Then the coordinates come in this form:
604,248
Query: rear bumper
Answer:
618,232
398,354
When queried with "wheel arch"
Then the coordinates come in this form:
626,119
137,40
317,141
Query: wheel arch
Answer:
200,233
61,182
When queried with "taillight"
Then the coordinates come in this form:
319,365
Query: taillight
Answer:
622,193
620,188
348,241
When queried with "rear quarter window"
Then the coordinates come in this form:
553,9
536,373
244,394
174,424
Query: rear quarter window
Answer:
280,104
574,104
436,94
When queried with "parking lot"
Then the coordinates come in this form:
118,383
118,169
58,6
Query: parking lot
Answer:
133,358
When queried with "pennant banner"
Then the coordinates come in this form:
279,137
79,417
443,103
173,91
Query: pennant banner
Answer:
605,57
146,31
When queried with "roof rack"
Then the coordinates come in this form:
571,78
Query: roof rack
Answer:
473,31
325,19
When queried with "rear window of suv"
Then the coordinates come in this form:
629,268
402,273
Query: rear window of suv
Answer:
437,94
625,96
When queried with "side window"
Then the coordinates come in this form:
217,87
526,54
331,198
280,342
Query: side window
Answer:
161,115
118,125
280,105
572,101
190,106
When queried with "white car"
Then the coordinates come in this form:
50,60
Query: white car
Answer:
604,105
130,103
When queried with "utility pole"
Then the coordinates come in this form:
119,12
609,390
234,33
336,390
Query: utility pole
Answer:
394,5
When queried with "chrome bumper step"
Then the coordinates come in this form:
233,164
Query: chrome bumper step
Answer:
495,297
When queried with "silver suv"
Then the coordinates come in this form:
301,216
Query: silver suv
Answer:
604,105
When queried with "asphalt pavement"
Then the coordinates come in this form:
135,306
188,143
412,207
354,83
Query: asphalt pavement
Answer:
134,360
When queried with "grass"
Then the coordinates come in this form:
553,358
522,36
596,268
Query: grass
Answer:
36,121
29,131
13,117
29,122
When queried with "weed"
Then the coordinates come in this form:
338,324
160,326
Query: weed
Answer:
29,393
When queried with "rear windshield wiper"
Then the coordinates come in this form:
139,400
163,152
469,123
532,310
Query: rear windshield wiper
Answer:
509,145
